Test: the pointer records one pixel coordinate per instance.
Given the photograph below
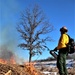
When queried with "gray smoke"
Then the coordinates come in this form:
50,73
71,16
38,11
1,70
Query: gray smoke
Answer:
5,53
8,43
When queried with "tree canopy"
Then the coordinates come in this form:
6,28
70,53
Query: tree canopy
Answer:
32,26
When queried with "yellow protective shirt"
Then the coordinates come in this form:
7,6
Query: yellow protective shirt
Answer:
63,41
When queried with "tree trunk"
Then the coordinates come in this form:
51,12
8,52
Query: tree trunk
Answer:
30,56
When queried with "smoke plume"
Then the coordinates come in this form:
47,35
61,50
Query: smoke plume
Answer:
5,53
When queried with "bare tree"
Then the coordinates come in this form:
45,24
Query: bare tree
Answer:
32,27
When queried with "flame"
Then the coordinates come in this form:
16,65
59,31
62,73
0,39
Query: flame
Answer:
4,61
12,60
31,69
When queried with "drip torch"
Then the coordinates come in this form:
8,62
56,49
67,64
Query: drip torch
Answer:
52,52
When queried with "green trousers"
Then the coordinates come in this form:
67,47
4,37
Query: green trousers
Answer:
61,62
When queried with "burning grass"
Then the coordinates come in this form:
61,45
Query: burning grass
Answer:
12,61
14,69
10,68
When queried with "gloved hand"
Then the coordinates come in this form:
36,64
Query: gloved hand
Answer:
55,49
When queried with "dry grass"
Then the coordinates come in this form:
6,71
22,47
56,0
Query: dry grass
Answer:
18,69
15,69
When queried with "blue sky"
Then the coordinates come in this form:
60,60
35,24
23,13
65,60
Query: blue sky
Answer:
59,12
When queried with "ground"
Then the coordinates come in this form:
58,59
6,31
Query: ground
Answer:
29,69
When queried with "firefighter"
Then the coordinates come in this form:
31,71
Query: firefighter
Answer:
63,52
